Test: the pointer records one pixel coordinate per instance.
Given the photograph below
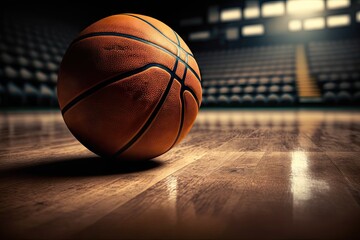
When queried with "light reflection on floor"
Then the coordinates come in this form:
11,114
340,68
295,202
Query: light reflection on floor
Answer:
283,173
230,119
302,183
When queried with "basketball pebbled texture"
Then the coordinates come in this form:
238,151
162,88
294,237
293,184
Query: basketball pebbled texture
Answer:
129,87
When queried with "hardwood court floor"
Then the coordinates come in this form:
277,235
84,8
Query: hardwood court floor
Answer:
238,174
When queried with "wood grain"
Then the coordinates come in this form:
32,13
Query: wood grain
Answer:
239,174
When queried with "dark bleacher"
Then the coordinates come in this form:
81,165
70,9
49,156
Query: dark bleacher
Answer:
30,55
253,76
250,71
336,67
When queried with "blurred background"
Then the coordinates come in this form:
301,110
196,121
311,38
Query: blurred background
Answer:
281,53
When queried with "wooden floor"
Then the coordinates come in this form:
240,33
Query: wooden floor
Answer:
238,174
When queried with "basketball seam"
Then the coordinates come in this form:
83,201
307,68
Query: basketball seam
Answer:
185,87
113,80
116,34
152,115
189,54
178,41
182,82
178,45
150,24
193,94
182,111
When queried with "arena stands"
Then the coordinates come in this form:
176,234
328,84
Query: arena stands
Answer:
249,76
29,59
250,53
335,65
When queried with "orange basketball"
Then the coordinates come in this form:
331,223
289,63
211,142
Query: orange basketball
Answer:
129,87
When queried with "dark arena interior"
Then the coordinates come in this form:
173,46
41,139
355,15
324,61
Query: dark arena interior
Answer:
273,152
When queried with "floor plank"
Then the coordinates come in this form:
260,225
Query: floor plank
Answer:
238,174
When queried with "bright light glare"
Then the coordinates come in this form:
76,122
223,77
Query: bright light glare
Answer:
304,7
251,12
334,4
253,30
199,35
172,187
304,187
299,162
295,25
338,20
230,14
271,9
358,16
314,23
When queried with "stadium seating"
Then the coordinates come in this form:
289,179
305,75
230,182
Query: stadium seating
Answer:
30,55
260,75
336,67
255,76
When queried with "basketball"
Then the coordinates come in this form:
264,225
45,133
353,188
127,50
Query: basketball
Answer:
129,87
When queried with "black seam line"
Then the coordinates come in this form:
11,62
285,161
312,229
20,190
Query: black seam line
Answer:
178,41
193,94
180,48
128,14
182,110
178,44
184,75
152,116
112,80
116,34
190,90
178,52
181,123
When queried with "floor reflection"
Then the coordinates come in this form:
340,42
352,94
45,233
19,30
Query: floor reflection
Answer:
315,129
35,124
172,189
248,173
233,119
303,184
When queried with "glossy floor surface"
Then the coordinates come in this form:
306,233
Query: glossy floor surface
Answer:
261,174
